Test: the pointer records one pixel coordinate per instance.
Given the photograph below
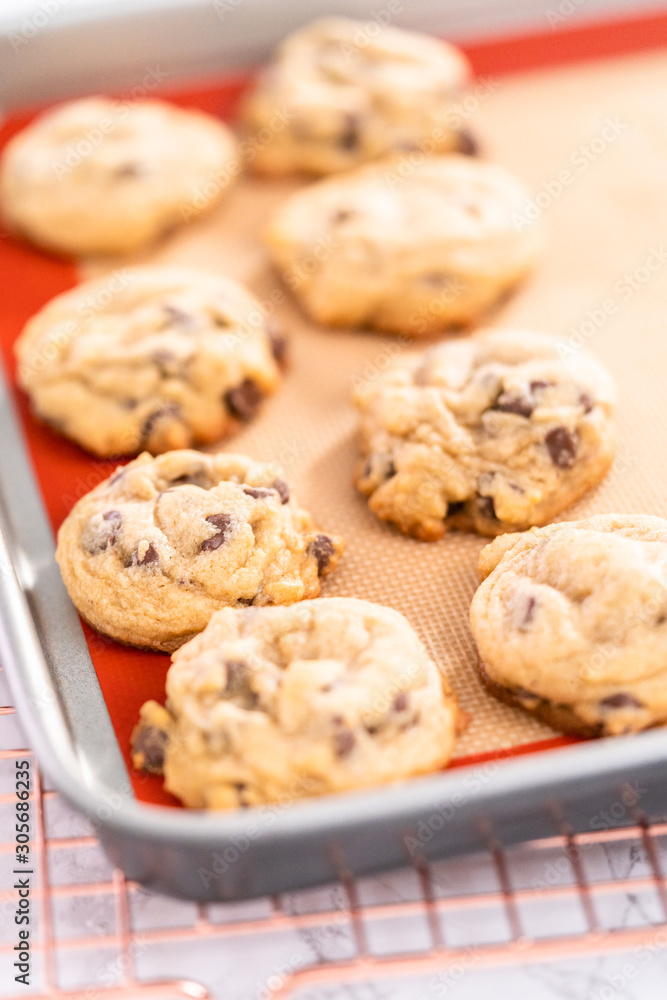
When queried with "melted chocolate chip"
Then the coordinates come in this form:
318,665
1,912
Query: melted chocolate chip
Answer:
508,403
150,556
381,467
586,402
96,541
344,742
198,478
238,684
621,700
456,507
349,136
278,343
224,523
342,215
468,145
128,170
322,548
539,383
401,702
529,612
486,508
257,492
282,489
562,447
243,400
168,412
178,317
150,744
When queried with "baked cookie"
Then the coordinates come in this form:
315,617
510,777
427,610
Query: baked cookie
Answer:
571,623
407,249
100,176
342,92
155,358
496,432
152,552
275,704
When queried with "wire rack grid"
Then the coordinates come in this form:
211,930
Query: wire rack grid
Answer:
94,932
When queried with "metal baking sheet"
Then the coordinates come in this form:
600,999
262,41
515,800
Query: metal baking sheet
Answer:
272,849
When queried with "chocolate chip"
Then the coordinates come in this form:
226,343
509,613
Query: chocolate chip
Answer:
529,612
436,279
128,170
243,400
149,556
238,684
342,215
282,489
199,478
178,317
486,508
344,742
278,342
562,447
149,745
401,702
224,523
258,492
468,145
621,700
97,540
379,467
167,412
349,137
539,383
586,402
508,403
322,548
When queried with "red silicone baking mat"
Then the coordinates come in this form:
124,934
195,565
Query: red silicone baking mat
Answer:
535,122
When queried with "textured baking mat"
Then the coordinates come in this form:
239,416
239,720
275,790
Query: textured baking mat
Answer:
590,140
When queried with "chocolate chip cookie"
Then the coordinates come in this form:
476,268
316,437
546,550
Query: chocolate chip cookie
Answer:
341,92
402,247
277,704
152,552
491,433
571,623
99,176
149,358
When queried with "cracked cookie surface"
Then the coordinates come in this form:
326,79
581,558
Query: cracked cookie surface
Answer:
100,176
152,552
341,92
277,704
402,247
149,358
496,432
571,623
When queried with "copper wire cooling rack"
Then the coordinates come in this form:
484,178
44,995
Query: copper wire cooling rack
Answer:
571,895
